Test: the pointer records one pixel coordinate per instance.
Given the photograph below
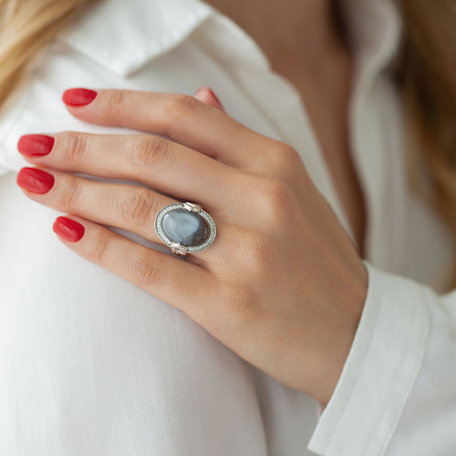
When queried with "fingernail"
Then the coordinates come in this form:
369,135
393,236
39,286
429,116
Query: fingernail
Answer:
215,96
35,180
68,229
207,95
78,97
35,145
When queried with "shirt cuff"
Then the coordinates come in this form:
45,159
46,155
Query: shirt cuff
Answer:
379,372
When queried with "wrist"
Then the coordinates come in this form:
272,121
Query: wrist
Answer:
339,339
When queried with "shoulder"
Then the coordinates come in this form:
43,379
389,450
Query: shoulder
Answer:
112,44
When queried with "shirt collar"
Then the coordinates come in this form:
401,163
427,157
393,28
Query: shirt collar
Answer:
375,29
123,36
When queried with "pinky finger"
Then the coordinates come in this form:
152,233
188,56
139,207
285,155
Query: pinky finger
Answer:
184,285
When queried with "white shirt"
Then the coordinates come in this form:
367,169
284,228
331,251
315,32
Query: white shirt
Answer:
92,365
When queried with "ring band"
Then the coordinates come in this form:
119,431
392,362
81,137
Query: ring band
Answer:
185,228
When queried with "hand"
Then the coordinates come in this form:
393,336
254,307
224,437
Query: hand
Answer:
282,285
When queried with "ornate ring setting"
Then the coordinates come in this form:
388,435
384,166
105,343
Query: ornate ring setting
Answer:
185,228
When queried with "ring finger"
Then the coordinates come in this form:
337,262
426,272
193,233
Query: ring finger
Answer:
129,207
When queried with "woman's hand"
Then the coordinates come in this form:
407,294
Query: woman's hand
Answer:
282,284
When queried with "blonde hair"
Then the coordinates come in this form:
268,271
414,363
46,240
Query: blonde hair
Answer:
427,78
425,73
26,26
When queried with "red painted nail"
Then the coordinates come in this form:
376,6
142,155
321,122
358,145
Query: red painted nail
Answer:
78,97
35,180
68,229
215,96
32,145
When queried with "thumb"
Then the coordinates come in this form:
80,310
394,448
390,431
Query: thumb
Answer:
206,95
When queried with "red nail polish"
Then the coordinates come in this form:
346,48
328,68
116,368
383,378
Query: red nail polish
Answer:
215,96
68,229
35,145
78,97
35,180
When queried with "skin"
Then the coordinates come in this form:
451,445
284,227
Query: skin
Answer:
303,44
284,232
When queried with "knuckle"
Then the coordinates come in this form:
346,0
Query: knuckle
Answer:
71,194
290,156
145,271
147,151
75,146
100,249
275,198
285,152
136,208
282,159
116,102
239,303
179,106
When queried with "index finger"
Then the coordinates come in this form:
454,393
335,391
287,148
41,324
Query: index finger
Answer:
179,117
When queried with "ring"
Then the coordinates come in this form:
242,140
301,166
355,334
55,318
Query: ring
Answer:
185,228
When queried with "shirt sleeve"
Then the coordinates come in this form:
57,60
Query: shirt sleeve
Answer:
397,391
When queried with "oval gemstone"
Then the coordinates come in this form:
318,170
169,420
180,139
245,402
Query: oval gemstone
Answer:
188,228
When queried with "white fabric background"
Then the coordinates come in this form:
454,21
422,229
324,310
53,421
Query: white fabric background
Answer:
90,364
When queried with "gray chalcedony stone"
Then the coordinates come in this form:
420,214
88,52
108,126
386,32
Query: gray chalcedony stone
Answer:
186,227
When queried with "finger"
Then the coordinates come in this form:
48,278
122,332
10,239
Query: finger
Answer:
129,207
179,117
207,96
156,162
169,278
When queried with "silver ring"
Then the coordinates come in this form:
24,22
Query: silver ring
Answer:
185,228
